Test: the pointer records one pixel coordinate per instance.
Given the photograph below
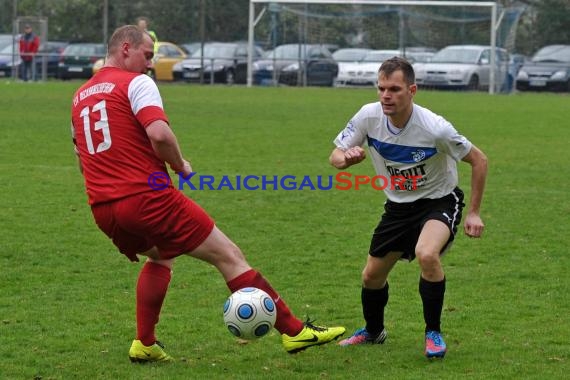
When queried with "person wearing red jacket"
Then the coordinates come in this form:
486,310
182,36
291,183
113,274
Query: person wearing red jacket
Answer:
29,45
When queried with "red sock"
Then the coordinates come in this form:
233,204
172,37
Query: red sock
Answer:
151,289
286,322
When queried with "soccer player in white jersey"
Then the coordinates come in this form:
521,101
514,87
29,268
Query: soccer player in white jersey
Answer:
418,150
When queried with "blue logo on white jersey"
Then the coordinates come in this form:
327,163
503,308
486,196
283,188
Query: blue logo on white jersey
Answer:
401,153
418,155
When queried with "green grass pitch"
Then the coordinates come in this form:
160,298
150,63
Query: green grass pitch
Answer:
67,303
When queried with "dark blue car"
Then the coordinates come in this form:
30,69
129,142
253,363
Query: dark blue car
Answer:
549,70
224,62
296,64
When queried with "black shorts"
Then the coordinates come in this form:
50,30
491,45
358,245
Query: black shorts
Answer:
401,223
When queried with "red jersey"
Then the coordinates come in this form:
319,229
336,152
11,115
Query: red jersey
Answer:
109,115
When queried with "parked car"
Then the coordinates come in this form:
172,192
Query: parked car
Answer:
463,67
49,55
419,59
77,59
347,58
224,62
5,39
190,47
167,55
350,54
289,63
364,72
9,58
548,70
419,54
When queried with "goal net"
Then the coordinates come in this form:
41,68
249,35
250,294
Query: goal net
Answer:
403,25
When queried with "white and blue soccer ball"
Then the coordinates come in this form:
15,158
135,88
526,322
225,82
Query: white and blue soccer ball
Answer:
249,313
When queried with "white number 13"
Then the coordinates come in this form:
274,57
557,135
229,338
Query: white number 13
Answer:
102,125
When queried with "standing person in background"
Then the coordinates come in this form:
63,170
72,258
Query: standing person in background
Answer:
29,45
122,138
142,22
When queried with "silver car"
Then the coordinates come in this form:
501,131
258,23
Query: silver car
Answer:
463,67
347,59
365,71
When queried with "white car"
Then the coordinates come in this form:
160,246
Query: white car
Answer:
346,58
463,67
365,72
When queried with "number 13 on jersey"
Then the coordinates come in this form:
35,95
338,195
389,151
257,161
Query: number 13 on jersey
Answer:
102,125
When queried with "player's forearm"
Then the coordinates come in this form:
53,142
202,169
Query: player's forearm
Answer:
337,159
76,151
169,152
478,178
165,145
342,159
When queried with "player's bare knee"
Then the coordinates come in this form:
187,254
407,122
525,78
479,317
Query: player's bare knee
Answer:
372,280
427,259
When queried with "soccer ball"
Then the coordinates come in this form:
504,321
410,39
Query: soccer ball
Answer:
249,313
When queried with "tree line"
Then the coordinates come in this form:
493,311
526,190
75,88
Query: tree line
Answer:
544,22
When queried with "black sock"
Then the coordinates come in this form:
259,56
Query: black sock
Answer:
432,294
373,303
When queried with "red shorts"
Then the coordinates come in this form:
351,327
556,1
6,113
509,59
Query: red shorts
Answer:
166,219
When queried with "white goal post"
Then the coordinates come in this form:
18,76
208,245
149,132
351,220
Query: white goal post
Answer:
492,6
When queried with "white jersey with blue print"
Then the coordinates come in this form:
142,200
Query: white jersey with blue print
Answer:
425,152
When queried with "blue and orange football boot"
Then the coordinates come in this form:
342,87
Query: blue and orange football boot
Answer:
435,345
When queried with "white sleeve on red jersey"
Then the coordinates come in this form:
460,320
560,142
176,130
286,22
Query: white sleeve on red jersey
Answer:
144,93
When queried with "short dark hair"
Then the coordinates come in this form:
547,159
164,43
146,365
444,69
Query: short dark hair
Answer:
394,64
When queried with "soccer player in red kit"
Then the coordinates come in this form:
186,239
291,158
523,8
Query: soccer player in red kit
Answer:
122,136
